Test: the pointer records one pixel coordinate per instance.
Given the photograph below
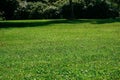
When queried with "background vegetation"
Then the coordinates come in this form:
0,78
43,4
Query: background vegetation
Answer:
52,9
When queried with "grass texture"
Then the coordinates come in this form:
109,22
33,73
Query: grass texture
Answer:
60,49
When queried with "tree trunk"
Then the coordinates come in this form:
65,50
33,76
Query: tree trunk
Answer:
71,9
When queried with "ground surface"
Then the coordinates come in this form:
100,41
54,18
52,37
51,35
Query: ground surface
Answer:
60,50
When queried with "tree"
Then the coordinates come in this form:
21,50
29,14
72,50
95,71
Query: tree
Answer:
118,5
8,7
117,2
72,11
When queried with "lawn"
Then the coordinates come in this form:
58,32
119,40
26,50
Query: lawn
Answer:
60,49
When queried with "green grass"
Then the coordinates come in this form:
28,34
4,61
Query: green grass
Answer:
60,50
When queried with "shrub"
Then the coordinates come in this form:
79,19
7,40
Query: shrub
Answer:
21,13
36,10
33,10
52,12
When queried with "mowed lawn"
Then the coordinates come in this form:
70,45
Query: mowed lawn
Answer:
60,50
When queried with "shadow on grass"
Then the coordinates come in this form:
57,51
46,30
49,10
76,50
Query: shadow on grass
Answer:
40,23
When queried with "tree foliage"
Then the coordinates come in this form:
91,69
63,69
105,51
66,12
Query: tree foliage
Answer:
7,7
52,9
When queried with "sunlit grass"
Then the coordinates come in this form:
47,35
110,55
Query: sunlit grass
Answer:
62,50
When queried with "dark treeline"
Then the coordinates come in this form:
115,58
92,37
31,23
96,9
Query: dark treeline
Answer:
57,9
